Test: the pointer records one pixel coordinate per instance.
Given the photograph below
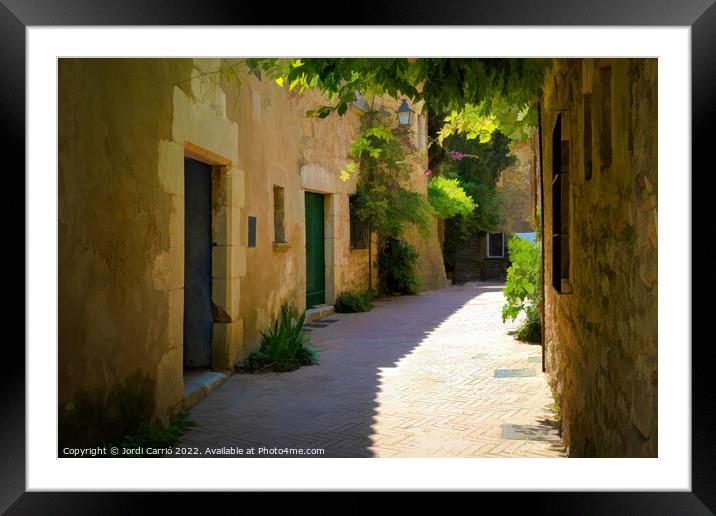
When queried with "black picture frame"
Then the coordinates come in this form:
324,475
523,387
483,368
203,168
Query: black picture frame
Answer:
700,15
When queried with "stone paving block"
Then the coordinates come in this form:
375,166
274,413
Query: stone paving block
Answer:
514,373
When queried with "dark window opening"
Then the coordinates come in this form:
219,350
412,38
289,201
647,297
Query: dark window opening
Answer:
495,245
252,232
587,137
560,208
605,108
278,215
359,229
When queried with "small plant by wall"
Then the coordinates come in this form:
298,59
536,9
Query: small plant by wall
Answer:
283,347
523,289
352,302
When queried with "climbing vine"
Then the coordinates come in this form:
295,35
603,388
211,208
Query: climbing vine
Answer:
385,157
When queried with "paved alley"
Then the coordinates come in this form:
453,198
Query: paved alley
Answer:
434,375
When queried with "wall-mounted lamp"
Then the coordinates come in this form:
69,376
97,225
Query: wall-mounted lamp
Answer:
405,114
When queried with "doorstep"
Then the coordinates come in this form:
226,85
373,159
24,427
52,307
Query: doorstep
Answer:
319,311
197,384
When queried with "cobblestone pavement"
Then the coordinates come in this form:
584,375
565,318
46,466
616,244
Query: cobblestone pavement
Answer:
414,377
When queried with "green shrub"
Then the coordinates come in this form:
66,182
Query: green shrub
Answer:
283,346
523,289
448,198
396,267
350,302
531,329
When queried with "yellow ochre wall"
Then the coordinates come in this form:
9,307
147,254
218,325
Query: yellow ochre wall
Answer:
125,126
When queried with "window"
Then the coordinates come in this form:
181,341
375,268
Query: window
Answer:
605,108
587,144
279,234
495,245
359,229
420,139
252,232
560,209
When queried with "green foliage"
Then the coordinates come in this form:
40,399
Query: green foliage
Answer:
478,177
396,267
472,97
283,347
523,289
351,302
448,198
384,200
445,84
470,121
481,121
153,435
531,329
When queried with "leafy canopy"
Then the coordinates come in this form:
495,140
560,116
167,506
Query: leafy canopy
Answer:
479,95
448,198
478,176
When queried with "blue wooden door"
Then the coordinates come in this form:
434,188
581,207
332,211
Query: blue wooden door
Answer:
315,260
198,316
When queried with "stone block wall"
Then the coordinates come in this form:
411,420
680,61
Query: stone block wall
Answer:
601,330
472,263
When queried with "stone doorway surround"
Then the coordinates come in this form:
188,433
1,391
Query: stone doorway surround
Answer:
201,131
315,178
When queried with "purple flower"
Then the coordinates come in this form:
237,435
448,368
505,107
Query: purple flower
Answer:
457,156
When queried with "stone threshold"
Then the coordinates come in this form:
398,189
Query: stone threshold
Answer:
319,311
198,384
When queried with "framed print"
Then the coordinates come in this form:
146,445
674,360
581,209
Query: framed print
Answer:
414,250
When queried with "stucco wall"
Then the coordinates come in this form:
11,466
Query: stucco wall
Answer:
280,146
115,213
601,339
125,127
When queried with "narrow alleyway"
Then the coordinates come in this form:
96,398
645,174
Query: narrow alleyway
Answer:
435,375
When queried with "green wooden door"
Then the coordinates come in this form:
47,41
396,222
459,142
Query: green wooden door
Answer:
315,261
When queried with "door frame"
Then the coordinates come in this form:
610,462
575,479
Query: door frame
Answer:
323,243
225,248
329,252
211,238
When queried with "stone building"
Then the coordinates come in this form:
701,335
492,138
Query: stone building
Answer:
184,203
599,133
